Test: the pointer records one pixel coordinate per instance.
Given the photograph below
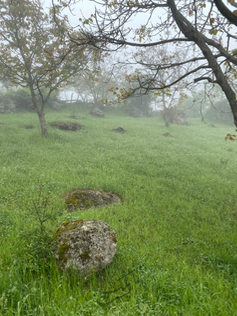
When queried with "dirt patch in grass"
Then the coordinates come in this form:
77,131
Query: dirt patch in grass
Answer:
84,199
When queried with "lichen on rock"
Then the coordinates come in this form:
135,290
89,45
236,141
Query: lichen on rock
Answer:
84,245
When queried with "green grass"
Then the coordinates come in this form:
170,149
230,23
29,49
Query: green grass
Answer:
177,228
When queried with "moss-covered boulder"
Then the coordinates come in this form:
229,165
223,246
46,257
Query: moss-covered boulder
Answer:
66,126
85,246
85,198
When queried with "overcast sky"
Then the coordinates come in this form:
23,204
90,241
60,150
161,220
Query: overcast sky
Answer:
87,7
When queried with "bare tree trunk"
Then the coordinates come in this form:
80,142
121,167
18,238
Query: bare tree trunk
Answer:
166,111
43,126
167,116
39,110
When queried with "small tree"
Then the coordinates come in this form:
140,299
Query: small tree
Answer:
95,84
140,86
35,53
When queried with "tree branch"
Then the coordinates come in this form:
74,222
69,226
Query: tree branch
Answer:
205,78
228,14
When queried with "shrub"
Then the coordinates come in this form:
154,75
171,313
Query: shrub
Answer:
20,97
38,207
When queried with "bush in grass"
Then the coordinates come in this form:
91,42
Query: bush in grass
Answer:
21,98
38,208
23,102
35,250
41,205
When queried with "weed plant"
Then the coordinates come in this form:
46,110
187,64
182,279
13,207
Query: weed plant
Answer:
176,230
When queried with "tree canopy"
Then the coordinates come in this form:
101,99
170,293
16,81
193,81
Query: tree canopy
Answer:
204,30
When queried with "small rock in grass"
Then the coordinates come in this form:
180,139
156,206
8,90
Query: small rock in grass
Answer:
118,130
167,135
66,126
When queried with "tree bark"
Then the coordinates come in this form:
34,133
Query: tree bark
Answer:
167,116
43,126
39,109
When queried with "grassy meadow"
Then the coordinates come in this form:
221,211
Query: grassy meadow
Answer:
176,230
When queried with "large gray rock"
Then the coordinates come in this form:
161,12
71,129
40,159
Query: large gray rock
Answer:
85,246
97,112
